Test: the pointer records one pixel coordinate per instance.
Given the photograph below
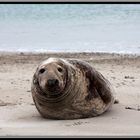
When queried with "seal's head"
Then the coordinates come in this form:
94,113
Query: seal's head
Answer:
51,77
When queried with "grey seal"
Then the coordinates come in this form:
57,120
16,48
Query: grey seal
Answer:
70,89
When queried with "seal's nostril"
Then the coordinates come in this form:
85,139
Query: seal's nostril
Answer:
56,82
52,82
42,70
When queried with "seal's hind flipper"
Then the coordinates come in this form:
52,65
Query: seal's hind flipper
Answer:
116,101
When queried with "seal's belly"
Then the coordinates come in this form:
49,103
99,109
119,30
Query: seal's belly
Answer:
78,109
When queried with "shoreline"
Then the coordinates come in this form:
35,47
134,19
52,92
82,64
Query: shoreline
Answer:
8,57
63,52
19,112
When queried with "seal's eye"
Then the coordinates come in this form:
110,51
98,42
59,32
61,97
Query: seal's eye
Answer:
41,70
60,69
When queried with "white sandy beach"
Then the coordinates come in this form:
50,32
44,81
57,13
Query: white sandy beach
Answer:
19,116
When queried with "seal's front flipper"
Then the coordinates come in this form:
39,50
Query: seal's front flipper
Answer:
92,93
99,86
92,89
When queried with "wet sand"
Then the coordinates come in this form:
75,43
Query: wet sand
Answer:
19,116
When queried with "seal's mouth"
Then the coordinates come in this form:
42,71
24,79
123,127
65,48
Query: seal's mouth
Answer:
53,91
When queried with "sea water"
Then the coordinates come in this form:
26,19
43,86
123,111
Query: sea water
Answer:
113,28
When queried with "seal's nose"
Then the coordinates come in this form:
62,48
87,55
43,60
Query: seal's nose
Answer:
52,82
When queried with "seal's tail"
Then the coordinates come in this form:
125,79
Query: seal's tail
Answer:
116,101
